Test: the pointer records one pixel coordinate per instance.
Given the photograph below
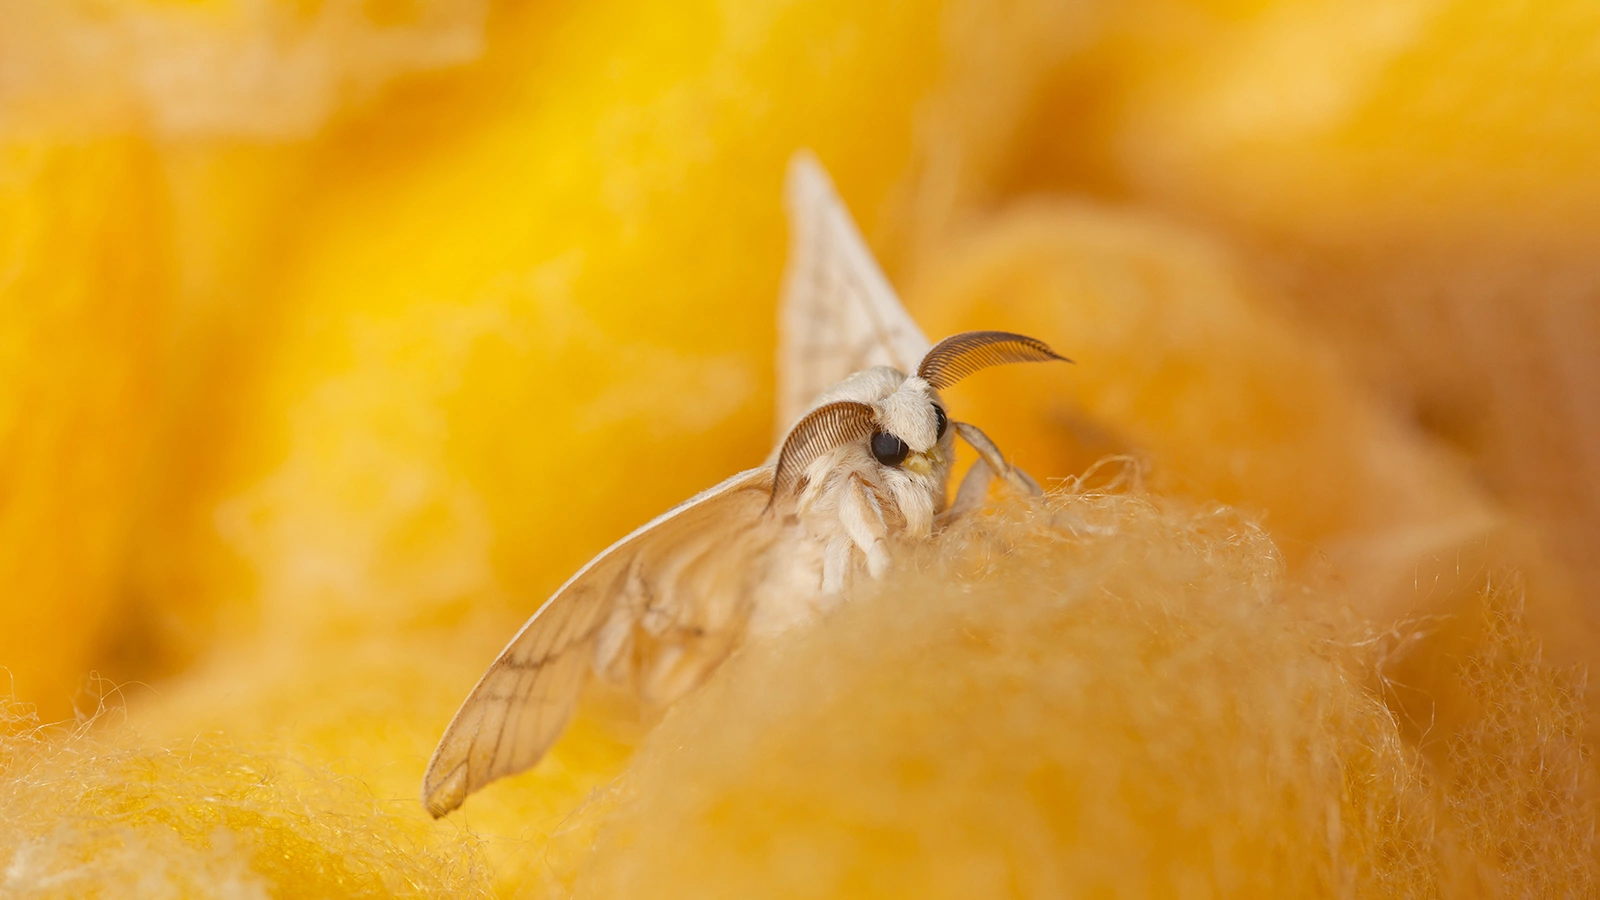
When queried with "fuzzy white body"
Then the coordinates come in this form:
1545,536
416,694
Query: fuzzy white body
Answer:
800,557
852,507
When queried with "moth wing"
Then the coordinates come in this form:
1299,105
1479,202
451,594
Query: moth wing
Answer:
838,313
523,702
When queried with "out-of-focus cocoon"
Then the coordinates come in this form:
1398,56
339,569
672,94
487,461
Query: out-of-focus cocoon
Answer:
97,810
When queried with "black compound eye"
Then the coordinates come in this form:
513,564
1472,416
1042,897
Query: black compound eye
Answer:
888,449
939,416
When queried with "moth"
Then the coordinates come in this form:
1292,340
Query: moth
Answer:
863,462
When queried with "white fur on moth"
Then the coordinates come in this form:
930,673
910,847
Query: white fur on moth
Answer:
864,460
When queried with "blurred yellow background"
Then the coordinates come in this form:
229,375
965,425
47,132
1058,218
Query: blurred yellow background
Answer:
334,334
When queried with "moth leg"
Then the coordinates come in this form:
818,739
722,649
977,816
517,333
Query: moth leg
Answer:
613,646
974,490
680,667
1019,480
864,524
670,676
836,564
1026,482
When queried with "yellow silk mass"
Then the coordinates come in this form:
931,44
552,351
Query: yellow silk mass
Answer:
335,334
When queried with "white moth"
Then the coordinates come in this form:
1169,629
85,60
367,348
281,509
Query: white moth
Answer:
864,461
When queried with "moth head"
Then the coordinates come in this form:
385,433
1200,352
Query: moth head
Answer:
912,429
906,433
900,423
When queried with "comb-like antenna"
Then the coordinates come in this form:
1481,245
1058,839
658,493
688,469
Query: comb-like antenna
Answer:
819,431
959,355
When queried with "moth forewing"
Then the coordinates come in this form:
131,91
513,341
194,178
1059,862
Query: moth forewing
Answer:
838,314
521,704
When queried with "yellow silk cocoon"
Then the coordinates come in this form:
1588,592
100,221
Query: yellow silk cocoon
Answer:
1094,695
102,812
335,335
